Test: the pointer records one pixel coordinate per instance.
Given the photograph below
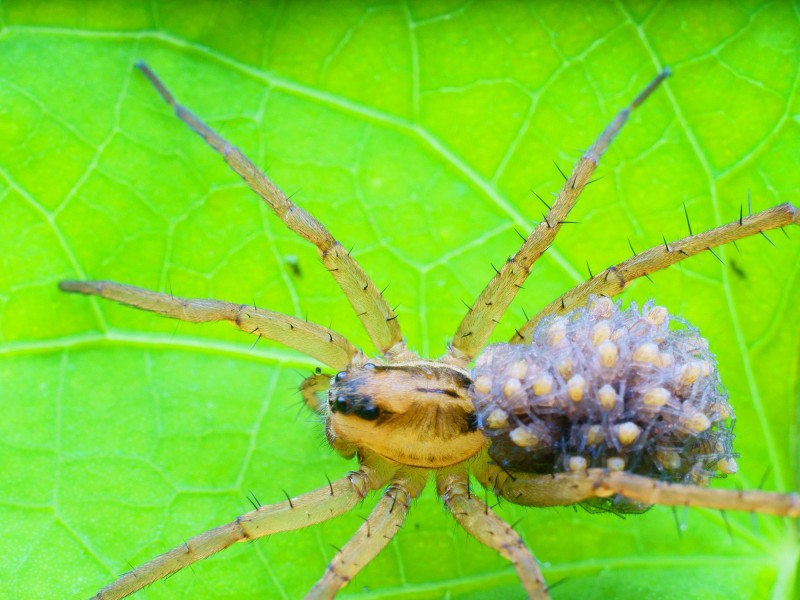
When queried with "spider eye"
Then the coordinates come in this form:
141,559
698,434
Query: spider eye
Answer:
369,366
340,404
341,375
369,413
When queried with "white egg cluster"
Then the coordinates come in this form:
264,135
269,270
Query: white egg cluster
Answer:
603,387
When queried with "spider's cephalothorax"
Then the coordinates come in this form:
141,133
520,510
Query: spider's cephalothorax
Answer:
416,413
586,404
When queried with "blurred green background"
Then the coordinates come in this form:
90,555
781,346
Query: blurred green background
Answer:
416,131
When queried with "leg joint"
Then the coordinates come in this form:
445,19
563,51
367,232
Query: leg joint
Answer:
361,483
454,490
243,534
399,495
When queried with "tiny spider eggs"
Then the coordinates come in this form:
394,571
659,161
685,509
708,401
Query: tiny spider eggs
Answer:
641,393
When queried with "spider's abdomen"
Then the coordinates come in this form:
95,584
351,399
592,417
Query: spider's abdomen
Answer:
602,387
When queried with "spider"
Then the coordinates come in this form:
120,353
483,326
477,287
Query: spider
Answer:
589,403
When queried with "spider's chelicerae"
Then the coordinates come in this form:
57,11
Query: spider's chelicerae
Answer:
615,409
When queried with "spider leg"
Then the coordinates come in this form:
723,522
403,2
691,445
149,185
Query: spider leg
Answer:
484,525
371,307
377,531
477,325
314,340
614,280
563,489
309,509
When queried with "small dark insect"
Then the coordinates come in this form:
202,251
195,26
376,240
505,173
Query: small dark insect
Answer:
588,404
740,273
293,264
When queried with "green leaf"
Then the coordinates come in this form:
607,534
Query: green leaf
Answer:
415,131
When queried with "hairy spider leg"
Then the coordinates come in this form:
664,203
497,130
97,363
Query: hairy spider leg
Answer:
477,325
376,315
562,489
313,340
374,534
484,525
314,507
615,279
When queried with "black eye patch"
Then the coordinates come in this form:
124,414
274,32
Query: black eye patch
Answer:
340,404
368,412
357,405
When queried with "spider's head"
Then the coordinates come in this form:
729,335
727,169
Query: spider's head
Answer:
417,413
